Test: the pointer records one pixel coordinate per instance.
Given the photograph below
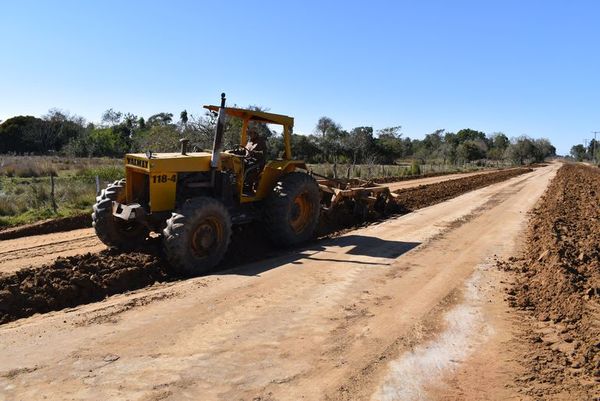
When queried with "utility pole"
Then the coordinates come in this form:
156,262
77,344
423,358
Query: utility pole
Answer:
594,155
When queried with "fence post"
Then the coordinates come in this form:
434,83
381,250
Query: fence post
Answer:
54,206
97,185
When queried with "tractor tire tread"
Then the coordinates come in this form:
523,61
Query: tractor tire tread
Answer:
277,208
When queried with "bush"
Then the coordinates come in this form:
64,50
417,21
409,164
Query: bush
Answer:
106,173
415,168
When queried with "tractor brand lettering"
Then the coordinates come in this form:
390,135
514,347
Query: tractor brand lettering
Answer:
137,162
163,178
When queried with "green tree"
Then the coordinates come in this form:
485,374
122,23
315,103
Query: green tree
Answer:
543,149
111,117
390,145
468,134
521,150
497,142
593,149
161,119
578,152
305,147
360,142
326,126
159,138
183,120
20,134
471,150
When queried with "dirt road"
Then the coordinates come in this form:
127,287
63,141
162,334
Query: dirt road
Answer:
351,318
37,250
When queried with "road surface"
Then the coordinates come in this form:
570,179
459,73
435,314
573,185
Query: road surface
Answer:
390,311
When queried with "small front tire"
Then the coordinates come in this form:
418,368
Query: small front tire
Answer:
112,231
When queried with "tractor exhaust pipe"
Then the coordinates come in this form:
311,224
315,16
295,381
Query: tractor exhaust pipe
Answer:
220,129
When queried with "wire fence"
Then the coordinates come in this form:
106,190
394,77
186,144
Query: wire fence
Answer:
408,169
29,199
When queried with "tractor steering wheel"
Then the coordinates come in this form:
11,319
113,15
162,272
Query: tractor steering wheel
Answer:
238,151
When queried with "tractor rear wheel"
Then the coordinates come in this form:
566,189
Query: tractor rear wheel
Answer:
197,236
292,210
112,231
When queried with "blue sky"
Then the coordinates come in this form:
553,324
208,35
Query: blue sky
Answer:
519,67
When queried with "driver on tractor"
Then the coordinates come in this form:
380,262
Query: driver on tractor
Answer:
256,147
254,153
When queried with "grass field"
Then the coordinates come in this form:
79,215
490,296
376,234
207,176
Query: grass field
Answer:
26,195
26,190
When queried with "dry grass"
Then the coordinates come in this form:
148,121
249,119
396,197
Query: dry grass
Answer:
42,166
25,188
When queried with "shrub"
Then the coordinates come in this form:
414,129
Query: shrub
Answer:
415,168
105,173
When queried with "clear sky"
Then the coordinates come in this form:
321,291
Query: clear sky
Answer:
519,67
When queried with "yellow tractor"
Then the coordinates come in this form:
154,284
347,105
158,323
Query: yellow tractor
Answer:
194,198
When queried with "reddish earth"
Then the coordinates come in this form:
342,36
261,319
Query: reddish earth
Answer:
558,287
400,308
403,308
426,195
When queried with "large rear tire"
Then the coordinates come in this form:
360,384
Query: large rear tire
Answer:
112,231
197,236
292,209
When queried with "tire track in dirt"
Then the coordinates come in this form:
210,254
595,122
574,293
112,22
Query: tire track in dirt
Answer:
38,250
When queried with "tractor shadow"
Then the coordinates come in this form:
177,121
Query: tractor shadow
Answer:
344,250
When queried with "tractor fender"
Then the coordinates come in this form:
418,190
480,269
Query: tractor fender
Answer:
273,171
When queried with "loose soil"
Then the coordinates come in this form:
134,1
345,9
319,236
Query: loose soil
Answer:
426,195
558,288
89,278
77,280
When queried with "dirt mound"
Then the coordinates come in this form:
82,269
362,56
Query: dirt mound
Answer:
558,283
47,226
426,195
89,278
77,280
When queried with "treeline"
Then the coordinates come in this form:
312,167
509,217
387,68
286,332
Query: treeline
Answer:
590,152
119,133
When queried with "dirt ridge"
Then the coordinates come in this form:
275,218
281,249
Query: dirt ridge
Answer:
47,227
558,287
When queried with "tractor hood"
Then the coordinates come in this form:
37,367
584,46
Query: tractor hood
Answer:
176,162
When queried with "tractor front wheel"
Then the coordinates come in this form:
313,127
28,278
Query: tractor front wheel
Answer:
292,210
197,236
115,232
